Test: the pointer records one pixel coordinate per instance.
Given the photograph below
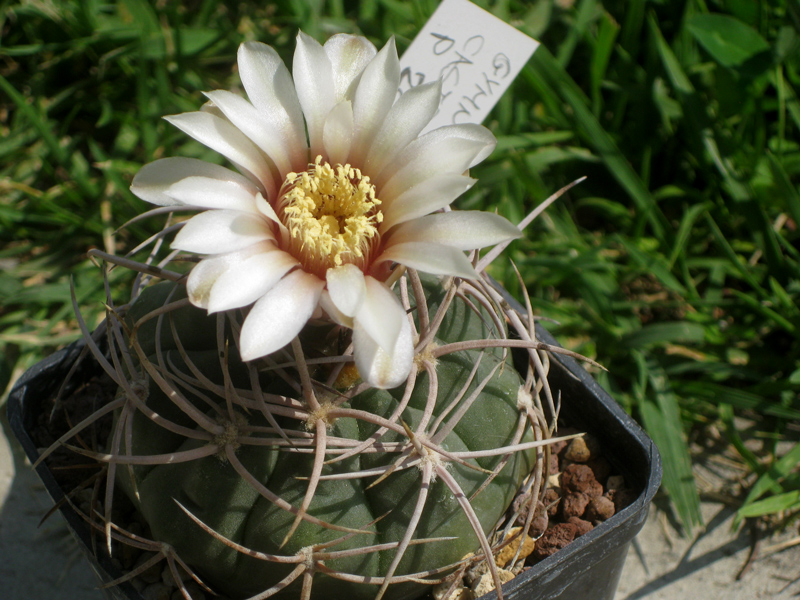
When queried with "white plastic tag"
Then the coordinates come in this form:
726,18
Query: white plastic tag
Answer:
475,54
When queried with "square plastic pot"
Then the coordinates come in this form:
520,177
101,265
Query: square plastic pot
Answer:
589,567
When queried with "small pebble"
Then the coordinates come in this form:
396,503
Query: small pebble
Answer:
583,449
486,582
615,482
156,591
475,573
167,578
506,554
599,509
460,593
153,573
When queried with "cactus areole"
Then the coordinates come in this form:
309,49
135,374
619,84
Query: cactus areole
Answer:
260,484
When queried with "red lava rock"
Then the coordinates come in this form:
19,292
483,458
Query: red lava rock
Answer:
551,500
601,469
581,526
573,505
539,523
521,505
554,468
557,448
593,489
599,509
577,478
554,539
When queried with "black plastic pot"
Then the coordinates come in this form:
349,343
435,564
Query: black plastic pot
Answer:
589,567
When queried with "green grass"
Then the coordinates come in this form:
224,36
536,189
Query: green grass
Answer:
676,264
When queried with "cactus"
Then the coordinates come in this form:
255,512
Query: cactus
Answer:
327,478
361,430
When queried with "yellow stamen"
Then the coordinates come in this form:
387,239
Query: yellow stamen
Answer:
332,216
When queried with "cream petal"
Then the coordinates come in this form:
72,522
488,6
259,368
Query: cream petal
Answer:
204,274
223,137
213,193
349,55
246,281
247,119
424,198
430,258
463,230
407,117
313,80
380,314
337,134
447,150
221,231
270,88
280,314
373,98
153,180
347,288
381,369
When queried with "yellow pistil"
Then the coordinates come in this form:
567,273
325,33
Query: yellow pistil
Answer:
332,216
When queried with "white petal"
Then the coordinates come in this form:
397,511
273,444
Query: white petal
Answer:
337,134
380,315
271,90
245,282
221,231
447,150
153,179
349,55
204,274
431,258
347,288
213,193
374,97
407,117
221,136
313,80
463,230
382,369
424,198
248,120
280,315
266,209
334,313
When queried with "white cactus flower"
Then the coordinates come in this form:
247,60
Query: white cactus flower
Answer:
335,185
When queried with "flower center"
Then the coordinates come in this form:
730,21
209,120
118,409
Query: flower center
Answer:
332,216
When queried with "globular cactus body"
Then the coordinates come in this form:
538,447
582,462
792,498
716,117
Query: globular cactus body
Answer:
182,350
